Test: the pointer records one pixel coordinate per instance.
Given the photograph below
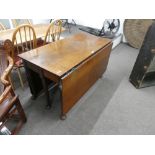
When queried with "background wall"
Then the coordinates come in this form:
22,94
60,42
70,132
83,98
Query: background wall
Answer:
6,23
95,23
86,22
38,21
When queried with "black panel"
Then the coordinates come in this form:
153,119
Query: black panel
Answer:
141,76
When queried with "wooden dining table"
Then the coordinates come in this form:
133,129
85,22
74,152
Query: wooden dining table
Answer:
74,63
40,30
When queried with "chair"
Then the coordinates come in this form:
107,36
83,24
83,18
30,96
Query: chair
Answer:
53,33
66,23
2,27
24,39
9,102
17,22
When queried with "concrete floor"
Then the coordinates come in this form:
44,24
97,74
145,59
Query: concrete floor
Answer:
87,115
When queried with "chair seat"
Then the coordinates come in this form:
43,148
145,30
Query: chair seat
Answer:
40,42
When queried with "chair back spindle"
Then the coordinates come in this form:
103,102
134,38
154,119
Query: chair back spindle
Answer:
24,38
53,32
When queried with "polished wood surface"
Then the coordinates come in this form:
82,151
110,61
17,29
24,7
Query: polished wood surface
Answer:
61,56
10,106
40,30
6,65
9,102
75,63
5,76
83,77
5,69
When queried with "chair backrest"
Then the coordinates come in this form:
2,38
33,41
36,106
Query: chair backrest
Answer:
6,65
17,22
53,32
9,48
9,102
24,39
2,27
6,73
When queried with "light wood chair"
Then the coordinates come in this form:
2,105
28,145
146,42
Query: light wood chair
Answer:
16,22
10,105
66,23
53,33
24,39
2,27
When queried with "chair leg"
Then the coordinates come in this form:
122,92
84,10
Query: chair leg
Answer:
22,117
20,77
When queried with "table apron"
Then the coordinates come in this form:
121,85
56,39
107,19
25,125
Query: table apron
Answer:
35,77
77,82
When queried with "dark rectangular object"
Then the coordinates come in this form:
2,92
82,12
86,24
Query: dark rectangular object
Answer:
143,73
91,30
